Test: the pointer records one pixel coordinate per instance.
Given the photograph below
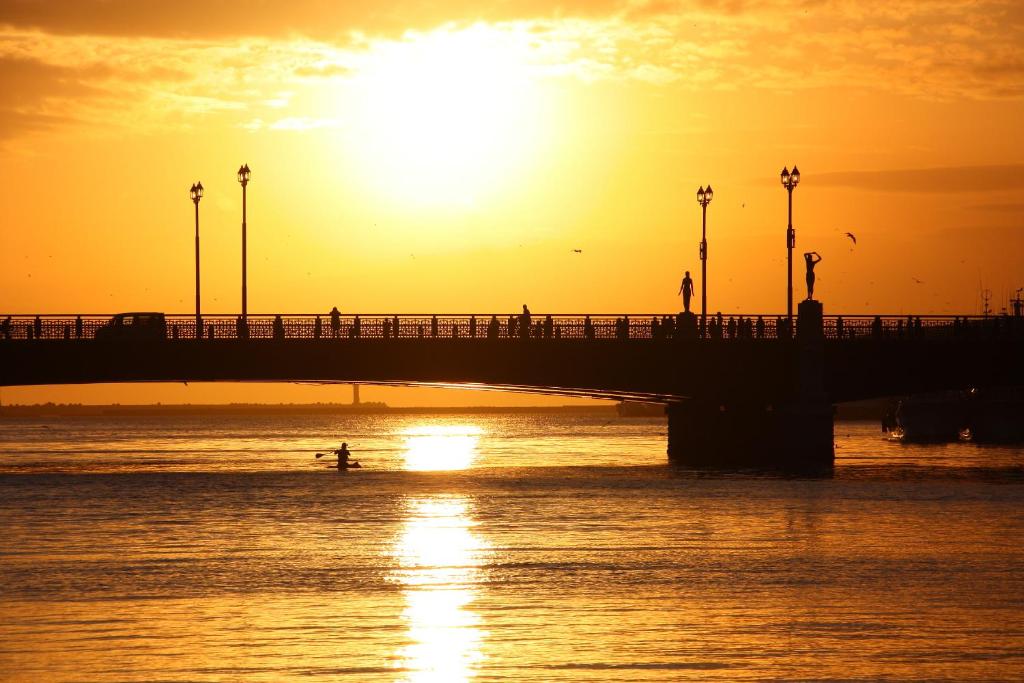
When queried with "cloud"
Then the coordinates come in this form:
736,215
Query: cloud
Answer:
290,123
318,19
1000,207
323,71
104,62
928,180
38,96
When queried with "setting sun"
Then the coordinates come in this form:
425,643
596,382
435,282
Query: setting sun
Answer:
443,117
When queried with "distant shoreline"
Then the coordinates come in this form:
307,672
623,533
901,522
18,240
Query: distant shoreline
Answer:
857,410
369,408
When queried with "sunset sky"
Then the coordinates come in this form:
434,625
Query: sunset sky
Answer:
449,157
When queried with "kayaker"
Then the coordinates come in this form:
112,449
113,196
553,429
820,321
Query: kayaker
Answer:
343,455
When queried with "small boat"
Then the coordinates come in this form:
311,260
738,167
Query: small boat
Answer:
354,465
996,415
930,418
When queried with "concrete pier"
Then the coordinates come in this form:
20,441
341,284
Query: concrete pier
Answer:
795,432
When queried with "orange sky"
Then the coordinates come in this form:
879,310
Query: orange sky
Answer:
448,157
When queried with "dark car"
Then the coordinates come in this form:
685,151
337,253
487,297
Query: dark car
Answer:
134,326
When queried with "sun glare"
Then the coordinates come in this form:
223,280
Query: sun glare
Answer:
439,559
444,117
440,447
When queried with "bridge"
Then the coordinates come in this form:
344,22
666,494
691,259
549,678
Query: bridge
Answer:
740,389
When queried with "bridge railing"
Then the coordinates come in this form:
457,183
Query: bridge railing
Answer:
505,326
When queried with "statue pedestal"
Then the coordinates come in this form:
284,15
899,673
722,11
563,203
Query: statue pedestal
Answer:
795,432
686,326
810,323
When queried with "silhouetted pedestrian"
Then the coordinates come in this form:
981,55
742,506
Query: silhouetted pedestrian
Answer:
732,327
760,327
335,321
524,323
278,328
37,326
78,327
433,326
839,327
318,328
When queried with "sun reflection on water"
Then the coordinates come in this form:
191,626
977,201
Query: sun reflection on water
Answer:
440,447
439,561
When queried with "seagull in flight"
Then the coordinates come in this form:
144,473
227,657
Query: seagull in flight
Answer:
852,237
577,251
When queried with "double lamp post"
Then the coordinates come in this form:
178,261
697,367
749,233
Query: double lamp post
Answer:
195,193
704,196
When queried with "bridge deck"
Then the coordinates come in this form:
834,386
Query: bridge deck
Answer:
867,360
504,326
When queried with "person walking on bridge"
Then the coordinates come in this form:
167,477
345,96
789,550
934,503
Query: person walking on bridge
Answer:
686,289
335,322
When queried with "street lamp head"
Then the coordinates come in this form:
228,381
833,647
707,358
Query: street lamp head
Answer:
700,195
784,176
709,194
243,174
795,176
196,192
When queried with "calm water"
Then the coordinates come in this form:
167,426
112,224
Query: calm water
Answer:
525,548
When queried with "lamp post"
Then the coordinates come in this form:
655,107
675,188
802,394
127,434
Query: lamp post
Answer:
704,197
196,193
790,181
243,178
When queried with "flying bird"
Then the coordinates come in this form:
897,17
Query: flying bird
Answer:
852,237
577,251
920,282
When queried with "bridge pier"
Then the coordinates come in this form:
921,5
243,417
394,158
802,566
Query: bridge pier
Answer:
785,436
794,432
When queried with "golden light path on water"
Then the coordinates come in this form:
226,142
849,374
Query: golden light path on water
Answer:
439,560
440,447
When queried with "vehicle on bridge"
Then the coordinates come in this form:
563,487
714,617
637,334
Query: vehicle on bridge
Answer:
134,326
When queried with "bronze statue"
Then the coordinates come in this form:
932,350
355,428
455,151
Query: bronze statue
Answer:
686,289
811,258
